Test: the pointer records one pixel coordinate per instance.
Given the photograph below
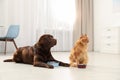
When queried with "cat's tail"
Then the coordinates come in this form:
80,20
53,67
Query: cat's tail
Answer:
8,60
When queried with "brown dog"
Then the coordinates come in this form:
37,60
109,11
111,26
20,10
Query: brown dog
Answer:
37,55
79,52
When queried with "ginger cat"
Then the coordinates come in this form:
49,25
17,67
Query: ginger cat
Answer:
78,54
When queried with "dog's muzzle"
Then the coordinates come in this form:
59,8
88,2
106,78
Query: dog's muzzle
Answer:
55,41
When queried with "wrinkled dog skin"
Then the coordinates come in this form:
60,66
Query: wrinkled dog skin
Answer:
37,55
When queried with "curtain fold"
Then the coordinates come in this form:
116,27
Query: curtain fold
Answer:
84,21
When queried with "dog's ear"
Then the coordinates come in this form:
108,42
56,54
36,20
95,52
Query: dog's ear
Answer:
36,45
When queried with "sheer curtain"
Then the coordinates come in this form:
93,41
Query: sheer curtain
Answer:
37,17
57,19
60,14
24,13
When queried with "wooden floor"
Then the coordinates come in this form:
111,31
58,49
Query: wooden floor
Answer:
100,67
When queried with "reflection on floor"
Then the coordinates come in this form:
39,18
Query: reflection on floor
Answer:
100,67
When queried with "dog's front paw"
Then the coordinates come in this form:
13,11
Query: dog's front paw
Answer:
50,66
64,64
67,65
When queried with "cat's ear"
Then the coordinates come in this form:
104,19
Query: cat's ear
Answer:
85,34
81,36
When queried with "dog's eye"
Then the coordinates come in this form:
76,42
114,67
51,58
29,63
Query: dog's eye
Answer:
51,37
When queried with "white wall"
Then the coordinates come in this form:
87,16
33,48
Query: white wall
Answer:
104,17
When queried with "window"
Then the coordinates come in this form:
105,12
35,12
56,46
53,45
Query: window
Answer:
61,13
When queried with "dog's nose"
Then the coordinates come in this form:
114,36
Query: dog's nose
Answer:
55,41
